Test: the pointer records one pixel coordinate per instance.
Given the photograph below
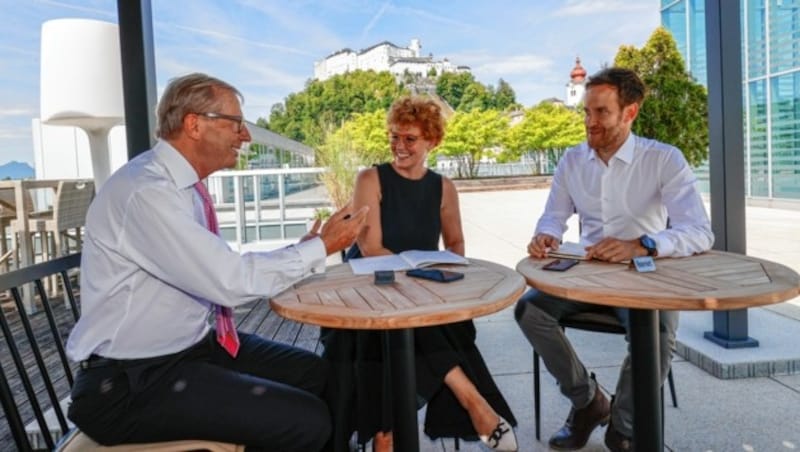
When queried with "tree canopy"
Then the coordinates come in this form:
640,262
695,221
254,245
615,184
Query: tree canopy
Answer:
675,109
304,116
464,93
545,127
470,136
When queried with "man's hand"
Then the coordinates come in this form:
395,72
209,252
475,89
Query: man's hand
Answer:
342,228
313,232
541,244
615,250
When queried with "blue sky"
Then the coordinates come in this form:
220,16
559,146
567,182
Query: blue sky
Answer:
268,48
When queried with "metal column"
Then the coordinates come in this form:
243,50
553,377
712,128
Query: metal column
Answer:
138,74
724,51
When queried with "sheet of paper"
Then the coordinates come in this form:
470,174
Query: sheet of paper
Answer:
418,258
369,265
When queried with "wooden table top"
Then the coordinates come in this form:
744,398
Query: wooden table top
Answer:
714,280
339,299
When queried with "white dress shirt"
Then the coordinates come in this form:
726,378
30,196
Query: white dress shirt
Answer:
151,270
645,183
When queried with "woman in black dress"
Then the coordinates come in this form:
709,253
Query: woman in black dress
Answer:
410,207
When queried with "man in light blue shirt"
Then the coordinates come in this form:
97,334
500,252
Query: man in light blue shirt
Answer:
151,273
624,189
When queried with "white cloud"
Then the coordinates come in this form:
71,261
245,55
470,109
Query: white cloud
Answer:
15,132
374,20
593,7
423,14
18,111
249,42
514,64
283,20
112,14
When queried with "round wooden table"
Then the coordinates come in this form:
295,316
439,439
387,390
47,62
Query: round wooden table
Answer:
714,280
340,299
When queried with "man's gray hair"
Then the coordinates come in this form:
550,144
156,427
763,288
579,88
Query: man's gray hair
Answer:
193,93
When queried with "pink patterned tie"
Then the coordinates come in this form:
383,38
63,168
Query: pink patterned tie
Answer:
226,330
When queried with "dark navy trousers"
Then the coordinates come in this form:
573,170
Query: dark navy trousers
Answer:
268,398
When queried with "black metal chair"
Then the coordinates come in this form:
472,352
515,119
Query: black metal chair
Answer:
36,376
47,382
588,321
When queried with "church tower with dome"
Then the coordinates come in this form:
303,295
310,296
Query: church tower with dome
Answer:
576,85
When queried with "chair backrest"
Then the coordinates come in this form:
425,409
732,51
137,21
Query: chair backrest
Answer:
8,197
33,363
72,203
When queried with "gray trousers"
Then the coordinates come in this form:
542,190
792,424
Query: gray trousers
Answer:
538,314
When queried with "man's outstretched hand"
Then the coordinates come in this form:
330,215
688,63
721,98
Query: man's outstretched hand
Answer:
341,229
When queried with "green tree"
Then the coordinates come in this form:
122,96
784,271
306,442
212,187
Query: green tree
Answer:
451,86
306,115
476,96
367,132
504,96
675,109
545,127
470,136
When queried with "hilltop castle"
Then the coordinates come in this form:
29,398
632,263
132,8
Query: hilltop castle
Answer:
384,56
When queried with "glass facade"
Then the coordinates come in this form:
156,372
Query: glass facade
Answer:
771,85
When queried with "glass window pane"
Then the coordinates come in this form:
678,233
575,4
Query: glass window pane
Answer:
786,136
674,19
756,39
757,146
784,34
697,31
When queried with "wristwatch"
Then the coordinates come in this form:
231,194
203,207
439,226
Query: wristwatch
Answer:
649,244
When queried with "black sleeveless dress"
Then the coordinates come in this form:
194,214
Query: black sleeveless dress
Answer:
410,219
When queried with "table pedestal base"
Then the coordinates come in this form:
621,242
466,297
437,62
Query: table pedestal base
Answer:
404,390
645,363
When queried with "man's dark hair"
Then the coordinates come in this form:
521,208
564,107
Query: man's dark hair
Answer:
630,87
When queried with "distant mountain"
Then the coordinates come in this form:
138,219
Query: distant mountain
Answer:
16,170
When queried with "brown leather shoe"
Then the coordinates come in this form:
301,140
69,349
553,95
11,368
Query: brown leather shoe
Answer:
616,441
580,423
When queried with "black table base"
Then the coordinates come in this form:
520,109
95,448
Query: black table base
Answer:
648,431
404,390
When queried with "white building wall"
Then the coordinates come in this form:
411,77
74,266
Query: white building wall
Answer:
414,68
379,58
575,93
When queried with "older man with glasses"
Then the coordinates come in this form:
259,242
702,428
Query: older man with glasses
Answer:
154,270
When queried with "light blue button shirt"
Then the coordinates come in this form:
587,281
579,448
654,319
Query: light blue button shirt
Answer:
150,270
644,183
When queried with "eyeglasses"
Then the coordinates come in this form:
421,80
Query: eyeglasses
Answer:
407,139
239,120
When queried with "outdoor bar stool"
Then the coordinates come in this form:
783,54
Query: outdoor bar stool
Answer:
599,323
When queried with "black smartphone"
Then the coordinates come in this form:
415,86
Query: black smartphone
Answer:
435,274
560,265
384,277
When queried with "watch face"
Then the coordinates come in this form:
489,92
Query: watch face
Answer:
649,244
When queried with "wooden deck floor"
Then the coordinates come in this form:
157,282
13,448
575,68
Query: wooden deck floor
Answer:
255,318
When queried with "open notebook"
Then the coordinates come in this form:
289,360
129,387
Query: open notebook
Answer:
569,250
404,261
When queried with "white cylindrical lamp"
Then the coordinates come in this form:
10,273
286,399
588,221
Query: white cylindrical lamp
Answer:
81,83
